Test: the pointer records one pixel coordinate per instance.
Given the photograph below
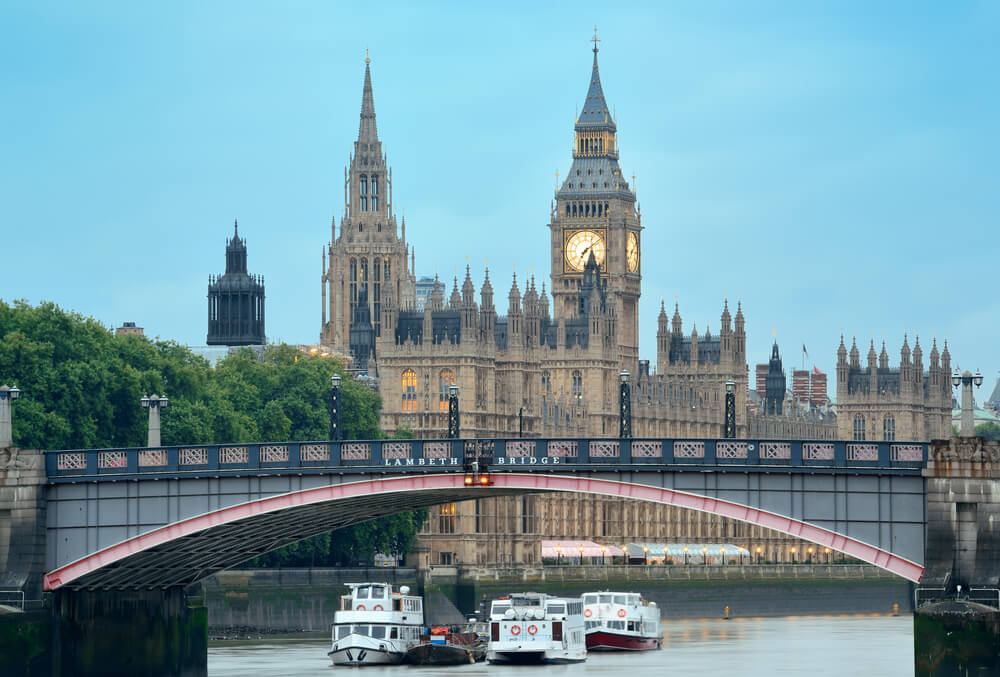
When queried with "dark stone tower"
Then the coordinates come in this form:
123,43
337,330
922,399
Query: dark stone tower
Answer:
774,385
236,300
596,215
362,333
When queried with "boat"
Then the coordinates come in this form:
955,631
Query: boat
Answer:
621,621
536,628
375,625
447,646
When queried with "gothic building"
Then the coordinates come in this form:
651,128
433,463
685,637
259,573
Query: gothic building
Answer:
236,300
774,389
367,263
878,402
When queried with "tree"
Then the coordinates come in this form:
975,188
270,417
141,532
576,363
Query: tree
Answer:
988,430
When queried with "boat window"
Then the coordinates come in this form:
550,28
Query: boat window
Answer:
593,624
378,592
498,608
378,631
361,593
631,626
397,604
411,604
394,633
556,609
616,625
360,630
526,601
621,599
606,599
590,599
343,631
575,608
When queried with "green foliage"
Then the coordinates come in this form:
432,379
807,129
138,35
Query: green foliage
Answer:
988,430
82,387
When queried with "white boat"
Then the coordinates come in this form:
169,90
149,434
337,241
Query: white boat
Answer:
375,625
621,621
536,628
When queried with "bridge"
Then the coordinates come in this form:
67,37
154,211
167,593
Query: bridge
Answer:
155,518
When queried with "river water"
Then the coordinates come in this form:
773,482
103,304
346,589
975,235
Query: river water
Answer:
749,647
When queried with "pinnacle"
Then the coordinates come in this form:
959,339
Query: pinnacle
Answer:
367,133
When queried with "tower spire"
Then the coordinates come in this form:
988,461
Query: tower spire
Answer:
367,133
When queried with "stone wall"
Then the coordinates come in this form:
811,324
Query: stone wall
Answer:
22,521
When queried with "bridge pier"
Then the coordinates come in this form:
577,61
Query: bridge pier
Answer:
22,521
129,633
957,630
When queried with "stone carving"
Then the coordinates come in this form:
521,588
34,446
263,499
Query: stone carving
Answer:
968,449
13,458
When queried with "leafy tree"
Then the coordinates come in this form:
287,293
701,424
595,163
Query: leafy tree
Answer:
988,430
82,388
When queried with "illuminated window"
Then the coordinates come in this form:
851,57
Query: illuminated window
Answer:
445,379
409,388
446,519
578,388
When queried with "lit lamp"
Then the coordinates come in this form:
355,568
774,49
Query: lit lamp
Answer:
581,555
740,550
809,559
664,555
685,555
794,550
453,412
335,416
604,550
759,555
558,554
722,552
704,555
625,554
645,553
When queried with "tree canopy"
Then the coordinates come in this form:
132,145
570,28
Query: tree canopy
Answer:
82,386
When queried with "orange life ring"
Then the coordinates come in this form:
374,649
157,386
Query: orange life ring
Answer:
515,629
532,629
360,607
588,613
621,613
378,607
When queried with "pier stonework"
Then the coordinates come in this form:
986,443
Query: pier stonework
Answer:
23,482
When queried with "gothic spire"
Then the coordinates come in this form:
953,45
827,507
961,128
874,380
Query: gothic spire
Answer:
595,108
367,132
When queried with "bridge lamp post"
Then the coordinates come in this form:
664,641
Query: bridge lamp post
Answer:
453,412
730,431
7,395
759,555
966,379
558,555
624,407
809,559
581,555
645,554
704,556
604,550
685,555
154,403
335,415
722,553
794,550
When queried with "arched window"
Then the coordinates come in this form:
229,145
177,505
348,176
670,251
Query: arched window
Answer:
374,204
374,185
859,427
364,185
364,204
445,379
889,428
354,288
408,385
567,209
578,388
546,384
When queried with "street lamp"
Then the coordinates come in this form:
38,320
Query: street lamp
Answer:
453,412
966,379
7,395
558,555
704,556
740,550
722,552
581,555
624,407
625,554
685,555
794,550
154,403
759,555
730,430
645,553
826,551
664,555
604,550
335,415
809,559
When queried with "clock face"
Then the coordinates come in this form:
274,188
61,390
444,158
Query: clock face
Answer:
632,252
579,247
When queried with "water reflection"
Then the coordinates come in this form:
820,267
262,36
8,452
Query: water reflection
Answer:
811,645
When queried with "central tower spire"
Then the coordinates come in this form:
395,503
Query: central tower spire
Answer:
368,133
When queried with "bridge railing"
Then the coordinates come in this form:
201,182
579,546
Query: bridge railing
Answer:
501,454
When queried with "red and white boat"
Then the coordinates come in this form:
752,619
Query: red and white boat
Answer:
621,621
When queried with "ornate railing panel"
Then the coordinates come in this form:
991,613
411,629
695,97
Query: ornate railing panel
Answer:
355,451
731,449
777,451
152,458
437,449
647,449
112,459
274,453
520,449
862,452
234,455
75,460
687,449
907,452
198,456
397,449
817,451
561,449
604,449
313,453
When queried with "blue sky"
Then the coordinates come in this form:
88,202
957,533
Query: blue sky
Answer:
834,165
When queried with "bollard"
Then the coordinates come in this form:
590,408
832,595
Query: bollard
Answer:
895,609
726,617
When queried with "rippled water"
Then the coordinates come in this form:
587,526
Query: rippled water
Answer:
804,645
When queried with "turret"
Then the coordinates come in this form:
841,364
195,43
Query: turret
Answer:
487,313
918,363
694,345
872,369
662,335
726,333
855,353
514,316
455,302
677,325
437,296
883,357
741,335
841,363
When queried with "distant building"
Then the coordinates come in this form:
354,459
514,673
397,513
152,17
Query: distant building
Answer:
425,287
800,384
993,404
236,300
774,385
817,388
128,328
760,383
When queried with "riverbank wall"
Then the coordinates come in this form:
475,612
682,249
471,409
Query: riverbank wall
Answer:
243,603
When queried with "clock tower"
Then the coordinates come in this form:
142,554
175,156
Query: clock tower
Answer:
595,213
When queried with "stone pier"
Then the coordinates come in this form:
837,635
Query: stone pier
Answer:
22,521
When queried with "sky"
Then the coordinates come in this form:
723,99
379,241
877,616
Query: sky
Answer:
831,165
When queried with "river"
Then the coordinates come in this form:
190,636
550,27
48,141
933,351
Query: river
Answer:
748,647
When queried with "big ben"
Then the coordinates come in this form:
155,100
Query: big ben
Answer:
595,214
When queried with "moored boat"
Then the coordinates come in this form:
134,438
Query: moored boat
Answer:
443,647
375,625
536,628
621,621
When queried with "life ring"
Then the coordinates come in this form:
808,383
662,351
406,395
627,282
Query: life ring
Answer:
515,629
532,629
378,607
588,613
621,613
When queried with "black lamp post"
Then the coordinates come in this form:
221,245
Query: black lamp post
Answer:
453,412
335,432
520,422
685,555
625,408
730,431
7,395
